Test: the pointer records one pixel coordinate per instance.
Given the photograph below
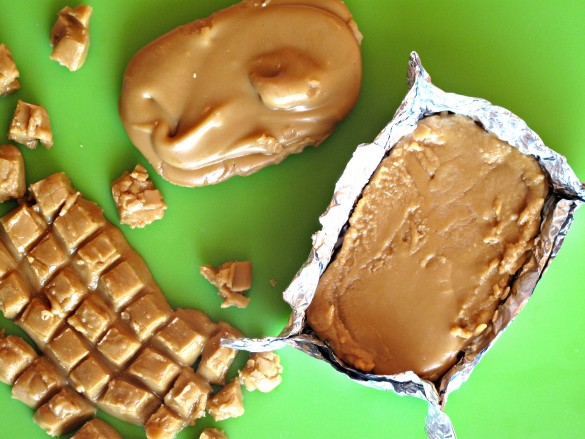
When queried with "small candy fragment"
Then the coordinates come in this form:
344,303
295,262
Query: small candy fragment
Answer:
228,402
15,356
212,433
262,372
163,424
70,37
12,182
30,124
232,279
138,202
8,72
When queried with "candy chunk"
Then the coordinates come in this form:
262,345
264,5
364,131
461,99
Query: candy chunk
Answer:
38,383
7,262
262,372
15,294
212,433
8,72
51,194
128,401
179,340
138,202
68,348
77,222
30,124
97,256
64,412
118,344
232,279
15,356
121,284
46,258
65,292
163,424
96,429
39,322
90,377
228,402
23,227
12,183
216,359
146,315
92,318
154,370
70,37
188,397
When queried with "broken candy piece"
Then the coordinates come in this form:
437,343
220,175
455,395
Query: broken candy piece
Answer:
138,202
228,402
96,429
232,279
15,356
8,72
262,372
30,124
12,183
70,37
163,424
212,433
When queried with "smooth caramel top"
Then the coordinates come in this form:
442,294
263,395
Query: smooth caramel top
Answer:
242,89
445,222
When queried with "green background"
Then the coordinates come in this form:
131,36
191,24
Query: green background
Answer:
525,55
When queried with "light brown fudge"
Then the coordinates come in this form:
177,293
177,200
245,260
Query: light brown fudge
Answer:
65,411
30,125
212,433
138,202
70,36
443,226
12,178
16,356
96,429
262,372
8,72
227,402
71,281
232,280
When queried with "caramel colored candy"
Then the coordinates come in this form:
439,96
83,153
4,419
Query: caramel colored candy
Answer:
46,258
38,383
128,401
90,377
188,397
118,345
64,412
212,433
23,226
15,356
180,341
92,318
216,359
163,424
51,194
68,348
39,322
12,181
232,279
65,292
154,370
145,315
262,372
228,402
96,429
30,124
14,294
218,97
8,72
121,284
138,202
70,37
77,222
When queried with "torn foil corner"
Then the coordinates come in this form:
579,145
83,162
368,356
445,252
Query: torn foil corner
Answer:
423,99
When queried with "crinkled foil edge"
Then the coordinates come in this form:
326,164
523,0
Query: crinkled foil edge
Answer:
424,99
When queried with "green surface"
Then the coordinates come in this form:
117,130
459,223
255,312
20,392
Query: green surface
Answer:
528,56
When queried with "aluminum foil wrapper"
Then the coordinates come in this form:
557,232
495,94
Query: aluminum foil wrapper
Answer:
424,99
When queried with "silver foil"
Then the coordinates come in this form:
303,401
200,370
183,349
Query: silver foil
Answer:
424,99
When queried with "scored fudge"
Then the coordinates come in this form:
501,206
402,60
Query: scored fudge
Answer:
12,181
96,429
64,412
227,402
